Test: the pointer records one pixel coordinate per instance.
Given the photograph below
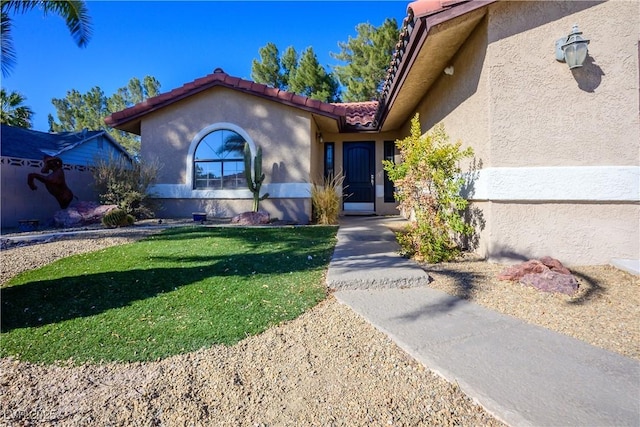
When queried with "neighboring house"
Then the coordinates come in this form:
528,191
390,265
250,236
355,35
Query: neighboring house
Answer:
22,153
557,151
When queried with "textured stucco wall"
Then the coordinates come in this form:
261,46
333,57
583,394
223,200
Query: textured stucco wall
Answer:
280,130
574,233
559,150
542,113
19,202
459,101
284,133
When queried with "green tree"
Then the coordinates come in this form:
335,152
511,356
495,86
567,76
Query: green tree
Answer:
14,113
428,184
74,13
304,76
78,111
310,79
289,63
367,58
267,70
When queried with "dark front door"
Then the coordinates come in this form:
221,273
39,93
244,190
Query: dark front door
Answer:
359,176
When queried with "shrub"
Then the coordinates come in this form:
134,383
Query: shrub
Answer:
117,218
326,199
428,184
125,184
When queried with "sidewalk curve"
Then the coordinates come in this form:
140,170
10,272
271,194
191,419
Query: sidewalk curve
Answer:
523,374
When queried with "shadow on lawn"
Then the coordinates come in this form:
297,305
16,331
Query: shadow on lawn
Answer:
51,301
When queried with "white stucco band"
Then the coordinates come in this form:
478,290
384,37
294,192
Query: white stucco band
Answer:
299,190
574,183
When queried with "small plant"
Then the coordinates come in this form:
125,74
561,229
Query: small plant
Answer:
326,199
117,218
254,182
125,183
428,184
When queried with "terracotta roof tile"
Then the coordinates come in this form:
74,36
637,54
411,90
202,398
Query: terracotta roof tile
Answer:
129,116
245,84
360,114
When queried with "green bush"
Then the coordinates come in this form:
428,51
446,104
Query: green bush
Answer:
117,218
326,200
125,184
428,184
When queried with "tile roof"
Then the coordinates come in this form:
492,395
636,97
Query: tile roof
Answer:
30,144
360,114
220,78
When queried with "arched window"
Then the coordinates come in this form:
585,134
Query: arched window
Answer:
218,161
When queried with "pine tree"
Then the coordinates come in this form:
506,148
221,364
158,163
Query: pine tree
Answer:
368,57
267,70
312,80
304,77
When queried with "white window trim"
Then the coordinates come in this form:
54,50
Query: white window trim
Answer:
228,193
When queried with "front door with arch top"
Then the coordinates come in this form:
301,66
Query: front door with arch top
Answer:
359,176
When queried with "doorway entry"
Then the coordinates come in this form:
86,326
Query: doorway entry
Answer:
359,165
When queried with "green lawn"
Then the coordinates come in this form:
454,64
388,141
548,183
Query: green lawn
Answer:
174,292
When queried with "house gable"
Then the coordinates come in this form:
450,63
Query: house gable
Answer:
130,118
79,148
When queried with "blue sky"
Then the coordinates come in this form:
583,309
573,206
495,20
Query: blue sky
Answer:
174,41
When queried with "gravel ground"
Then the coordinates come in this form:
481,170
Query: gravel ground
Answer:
327,367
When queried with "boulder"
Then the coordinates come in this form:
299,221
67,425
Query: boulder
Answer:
552,281
251,218
82,213
546,274
517,272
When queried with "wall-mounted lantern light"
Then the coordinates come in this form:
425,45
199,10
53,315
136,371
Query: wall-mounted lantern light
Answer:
319,138
572,49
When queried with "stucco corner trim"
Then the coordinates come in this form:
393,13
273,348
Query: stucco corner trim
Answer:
572,183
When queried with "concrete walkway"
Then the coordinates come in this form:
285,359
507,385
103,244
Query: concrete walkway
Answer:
523,374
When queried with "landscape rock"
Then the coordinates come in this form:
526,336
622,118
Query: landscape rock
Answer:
82,213
251,218
546,274
518,271
552,281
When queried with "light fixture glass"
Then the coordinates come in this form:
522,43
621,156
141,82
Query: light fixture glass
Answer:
572,49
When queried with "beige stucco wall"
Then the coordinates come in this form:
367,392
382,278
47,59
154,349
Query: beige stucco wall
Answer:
574,233
19,202
529,118
542,113
284,133
460,101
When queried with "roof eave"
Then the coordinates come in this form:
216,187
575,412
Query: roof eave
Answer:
426,25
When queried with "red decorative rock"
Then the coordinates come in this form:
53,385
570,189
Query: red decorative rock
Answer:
82,213
251,218
554,265
551,281
547,274
517,272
